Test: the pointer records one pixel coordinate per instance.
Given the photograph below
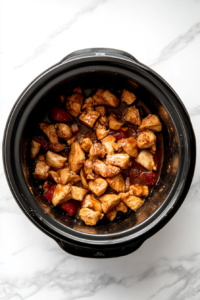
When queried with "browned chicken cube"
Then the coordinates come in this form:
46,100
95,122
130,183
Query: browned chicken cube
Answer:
121,160
151,122
50,131
56,147
72,140
139,190
74,104
83,179
108,144
114,124
41,170
101,132
101,109
89,102
88,167
145,158
74,128
88,118
41,157
104,170
62,193
46,186
97,150
86,144
78,193
35,148
146,139
132,115
54,160
105,98
153,148
117,183
63,131
122,207
78,91
67,176
129,145
133,202
103,120
128,97
118,146
112,215
91,202
76,157
109,201
98,186
89,216
55,176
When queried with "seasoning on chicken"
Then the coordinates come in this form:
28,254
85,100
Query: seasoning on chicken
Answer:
83,179
97,150
112,215
72,140
145,158
88,118
146,139
117,183
78,91
122,207
109,201
78,193
132,115
103,120
108,144
101,109
133,202
62,193
121,160
98,186
55,176
41,170
76,157
56,147
74,128
105,98
54,160
105,170
151,122
63,131
101,131
67,176
35,148
89,168
128,97
89,102
91,202
46,186
114,124
129,145
118,146
50,131
86,144
89,216
139,190
74,104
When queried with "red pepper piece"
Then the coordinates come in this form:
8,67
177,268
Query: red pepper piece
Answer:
70,207
42,141
49,194
149,178
60,115
119,135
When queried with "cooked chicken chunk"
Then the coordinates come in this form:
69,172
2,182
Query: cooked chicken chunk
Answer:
114,124
78,193
78,91
104,170
63,131
88,167
103,120
67,176
98,186
97,150
54,160
83,179
139,190
153,148
126,195
35,148
76,157
62,193
105,98
101,110
146,139
74,104
118,146
121,160
74,128
89,216
55,176
41,157
86,144
91,202
72,140
129,145
56,147
101,132
122,207
112,215
128,97
50,131
89,102
151,122
132,115
145,158
108,144
88,118
133,202
117,183
46,186
109,201
41,170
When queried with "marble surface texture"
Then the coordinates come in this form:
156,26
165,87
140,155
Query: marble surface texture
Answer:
164,35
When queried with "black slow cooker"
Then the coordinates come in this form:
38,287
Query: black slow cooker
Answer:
114,70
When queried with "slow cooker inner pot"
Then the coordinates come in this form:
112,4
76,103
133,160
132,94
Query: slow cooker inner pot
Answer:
89,82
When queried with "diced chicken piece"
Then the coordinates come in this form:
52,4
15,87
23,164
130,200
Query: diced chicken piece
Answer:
35,148
56,147
74,128
41,157
124,128
97,150
88,166
78,193
78,91
63,131
108,143
76,157
91,202
128,97
117,183
122,207
114,124
145,158
55,176
104,170
54,160
103,120
129,145
91,176
62,193
46,186
67,176
112,215
121,160
72,140
101,132
146,139
74,104
139,190
132,115
153,149
88,118
105,98
89,216
118,146
50,131
151,122
86,144
133,202
101,110
126,195
41,170
98,186
89,102
109,201
83,179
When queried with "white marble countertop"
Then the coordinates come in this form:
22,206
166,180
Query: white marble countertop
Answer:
165,35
